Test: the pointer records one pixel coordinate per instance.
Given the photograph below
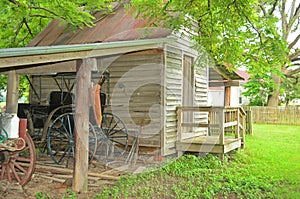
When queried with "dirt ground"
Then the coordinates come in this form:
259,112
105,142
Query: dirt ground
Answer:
56,184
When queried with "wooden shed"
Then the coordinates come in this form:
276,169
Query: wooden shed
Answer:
146,85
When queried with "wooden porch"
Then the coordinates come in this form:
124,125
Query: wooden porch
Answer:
217,130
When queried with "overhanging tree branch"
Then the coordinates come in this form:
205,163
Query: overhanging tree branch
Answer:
294,55
28,28
293,17
263,9
290,73
284,23
15,2
251,24
292,9
273,7
294,42
18,29
45,9
41,16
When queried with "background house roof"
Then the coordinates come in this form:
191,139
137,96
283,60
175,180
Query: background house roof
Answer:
120,25
243,74
220,73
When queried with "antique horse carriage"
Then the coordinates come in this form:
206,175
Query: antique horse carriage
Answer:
51,130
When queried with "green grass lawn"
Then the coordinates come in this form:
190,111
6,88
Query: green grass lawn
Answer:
269,167
274,152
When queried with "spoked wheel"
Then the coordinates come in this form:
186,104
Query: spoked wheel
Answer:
60,139
18,165
112,138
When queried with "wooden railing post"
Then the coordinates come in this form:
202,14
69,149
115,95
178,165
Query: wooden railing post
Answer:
222,130
237,127
179,121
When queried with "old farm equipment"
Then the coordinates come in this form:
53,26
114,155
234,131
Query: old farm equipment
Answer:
17,150
52,126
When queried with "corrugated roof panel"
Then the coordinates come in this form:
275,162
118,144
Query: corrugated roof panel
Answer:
46,32
119,26
57,29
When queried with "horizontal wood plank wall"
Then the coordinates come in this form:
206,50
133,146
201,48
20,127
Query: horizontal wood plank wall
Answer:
173,96
201,97
275,115
135,93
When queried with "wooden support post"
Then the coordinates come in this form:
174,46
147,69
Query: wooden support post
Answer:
243,133
222,121
249,122
179,117
237,127
83,81
179,121
12,92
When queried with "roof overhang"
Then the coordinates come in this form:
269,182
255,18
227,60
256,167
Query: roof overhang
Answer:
20,58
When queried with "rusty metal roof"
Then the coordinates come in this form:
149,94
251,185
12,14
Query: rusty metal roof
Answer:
118,26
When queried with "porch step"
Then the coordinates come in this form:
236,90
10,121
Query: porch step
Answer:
208,144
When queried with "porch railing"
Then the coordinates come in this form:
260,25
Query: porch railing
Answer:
211,121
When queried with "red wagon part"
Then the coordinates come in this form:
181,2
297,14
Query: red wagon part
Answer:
18,165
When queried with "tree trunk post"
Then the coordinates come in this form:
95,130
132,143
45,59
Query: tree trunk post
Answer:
83,80
12,92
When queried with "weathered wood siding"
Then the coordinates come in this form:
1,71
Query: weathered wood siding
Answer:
135,93
173,92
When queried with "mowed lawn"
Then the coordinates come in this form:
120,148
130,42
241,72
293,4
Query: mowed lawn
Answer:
269,167
274,151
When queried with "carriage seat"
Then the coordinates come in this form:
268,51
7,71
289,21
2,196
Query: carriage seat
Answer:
59,98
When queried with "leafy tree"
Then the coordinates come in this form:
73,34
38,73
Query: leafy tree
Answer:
22,20
252,33
258,88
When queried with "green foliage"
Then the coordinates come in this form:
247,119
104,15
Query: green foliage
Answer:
258,88
22,20
192,177
41,195
70,194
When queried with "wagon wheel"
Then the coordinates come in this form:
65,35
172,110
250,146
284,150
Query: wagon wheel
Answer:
60,139
18,165
48,122
112,138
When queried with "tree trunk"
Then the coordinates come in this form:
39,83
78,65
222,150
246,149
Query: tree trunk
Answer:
273,99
